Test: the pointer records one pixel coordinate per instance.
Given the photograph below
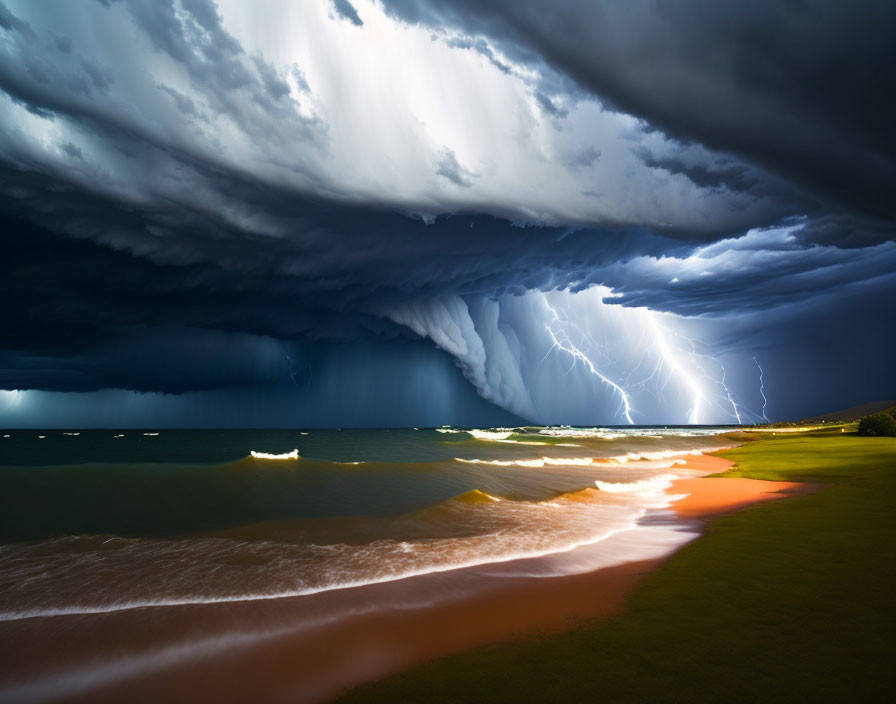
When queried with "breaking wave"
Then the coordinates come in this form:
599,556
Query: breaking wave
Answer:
293,455
651,486
653,460
95,574
500,434
332,526
618,433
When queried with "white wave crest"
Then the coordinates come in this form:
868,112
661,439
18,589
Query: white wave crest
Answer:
658,460
498,434
504,463
294,455
645,487
566,432
658,455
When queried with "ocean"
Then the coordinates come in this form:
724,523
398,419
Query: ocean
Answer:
101,522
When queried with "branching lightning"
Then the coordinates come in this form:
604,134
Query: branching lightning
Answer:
646,358
294,373
762,390
577,354
671,359
728,393
741,413
735,406
291,369
695,372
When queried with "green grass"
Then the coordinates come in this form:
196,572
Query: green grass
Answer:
786,601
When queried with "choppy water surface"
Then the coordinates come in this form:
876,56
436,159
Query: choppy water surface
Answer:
97,521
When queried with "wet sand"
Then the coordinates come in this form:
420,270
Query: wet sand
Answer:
709,497
272,651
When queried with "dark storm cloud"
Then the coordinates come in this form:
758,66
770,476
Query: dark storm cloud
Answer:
142,258
735,176
347,11
754,273
82,308
480,46
804,89
10,22
452,170
586,157
249,91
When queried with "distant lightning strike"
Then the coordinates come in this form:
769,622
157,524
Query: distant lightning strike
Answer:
567,346
685,365
671,359
728,394
762,390
293,372
736,408
291,369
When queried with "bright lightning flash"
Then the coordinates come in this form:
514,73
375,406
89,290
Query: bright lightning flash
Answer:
762,391
561,341
671,358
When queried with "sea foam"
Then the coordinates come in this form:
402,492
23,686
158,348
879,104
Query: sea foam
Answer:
294,455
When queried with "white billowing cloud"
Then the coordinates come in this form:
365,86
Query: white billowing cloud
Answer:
487,355
186,107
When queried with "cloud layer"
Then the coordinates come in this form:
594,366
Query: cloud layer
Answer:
192,191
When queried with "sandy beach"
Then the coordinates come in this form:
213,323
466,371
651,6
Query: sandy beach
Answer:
311,648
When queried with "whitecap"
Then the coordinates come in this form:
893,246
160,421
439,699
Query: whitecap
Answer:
497,434
294,455
645,487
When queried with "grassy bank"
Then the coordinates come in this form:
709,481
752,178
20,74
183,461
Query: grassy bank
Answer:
790,600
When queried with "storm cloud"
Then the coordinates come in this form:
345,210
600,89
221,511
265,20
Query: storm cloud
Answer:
801,89
200,196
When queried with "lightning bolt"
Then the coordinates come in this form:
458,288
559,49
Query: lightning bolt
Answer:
291,369
567,346
673,356
762,390
714,398
735,406
728,394
294,373
671,359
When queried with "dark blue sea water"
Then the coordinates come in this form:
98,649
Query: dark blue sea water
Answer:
101,520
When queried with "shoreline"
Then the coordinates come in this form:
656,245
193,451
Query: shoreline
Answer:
474,607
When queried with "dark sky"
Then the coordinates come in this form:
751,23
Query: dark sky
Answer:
416,212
